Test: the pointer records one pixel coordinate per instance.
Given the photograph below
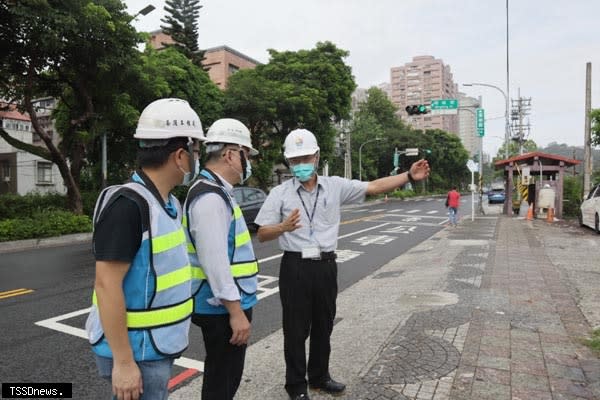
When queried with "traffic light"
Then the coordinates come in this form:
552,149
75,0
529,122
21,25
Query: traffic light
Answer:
416,109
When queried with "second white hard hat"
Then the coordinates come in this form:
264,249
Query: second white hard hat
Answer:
229,130
300,142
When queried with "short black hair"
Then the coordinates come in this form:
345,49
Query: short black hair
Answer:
156,156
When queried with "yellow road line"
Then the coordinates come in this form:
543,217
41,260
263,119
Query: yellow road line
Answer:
15,292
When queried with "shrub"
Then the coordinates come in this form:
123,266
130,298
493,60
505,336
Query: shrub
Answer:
44,224
16,206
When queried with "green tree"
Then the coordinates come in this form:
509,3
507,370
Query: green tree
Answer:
77,51
376,118
181,23
158,74
513,149
448,159
306,88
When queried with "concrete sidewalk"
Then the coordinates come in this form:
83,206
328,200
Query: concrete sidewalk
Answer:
492,309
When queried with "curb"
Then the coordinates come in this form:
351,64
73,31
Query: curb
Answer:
17,245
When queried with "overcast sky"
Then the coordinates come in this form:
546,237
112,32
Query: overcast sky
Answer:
550,43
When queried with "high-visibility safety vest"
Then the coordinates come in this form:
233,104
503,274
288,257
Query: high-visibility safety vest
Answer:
157,286
243,263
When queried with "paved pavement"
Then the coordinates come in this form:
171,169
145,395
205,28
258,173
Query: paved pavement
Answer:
493,309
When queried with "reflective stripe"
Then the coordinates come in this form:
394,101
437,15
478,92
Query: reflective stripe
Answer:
168,241
174,278
160,317
145,319
237,212
184,221
242,238
237,270
190,248
198,273
245,269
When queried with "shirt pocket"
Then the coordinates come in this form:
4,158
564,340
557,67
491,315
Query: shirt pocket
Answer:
329,211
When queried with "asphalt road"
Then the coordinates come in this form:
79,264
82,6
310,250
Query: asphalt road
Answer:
42,336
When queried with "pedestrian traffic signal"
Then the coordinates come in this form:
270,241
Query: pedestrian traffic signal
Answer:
416,109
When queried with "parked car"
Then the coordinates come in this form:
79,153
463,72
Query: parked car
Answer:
250,201
496,196
589,211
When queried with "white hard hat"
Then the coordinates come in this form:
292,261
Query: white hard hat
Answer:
229,130
300,142
169,118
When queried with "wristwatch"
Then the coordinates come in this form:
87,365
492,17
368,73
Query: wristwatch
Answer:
410,178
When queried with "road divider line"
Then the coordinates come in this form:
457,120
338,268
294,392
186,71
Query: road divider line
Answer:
15,292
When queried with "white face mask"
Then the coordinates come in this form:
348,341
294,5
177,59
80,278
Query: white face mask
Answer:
188,177
246,172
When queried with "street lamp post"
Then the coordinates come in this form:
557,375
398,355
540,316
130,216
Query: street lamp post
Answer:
506,121
360,156
144,11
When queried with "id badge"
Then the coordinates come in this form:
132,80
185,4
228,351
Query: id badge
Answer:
311,252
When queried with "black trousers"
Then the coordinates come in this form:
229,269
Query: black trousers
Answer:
308,290
224,362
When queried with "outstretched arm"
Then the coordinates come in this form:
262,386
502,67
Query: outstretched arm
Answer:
419,170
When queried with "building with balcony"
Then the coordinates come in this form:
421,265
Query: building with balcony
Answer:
423,79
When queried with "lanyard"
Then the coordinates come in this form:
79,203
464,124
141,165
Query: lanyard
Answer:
312,214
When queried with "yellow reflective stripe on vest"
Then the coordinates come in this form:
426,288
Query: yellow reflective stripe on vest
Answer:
191,249
237,212
242,239
198,273
150,318
168,241
163,316
244,269
184,221
174,278
237,270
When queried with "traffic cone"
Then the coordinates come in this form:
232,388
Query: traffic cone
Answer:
530,213
550,216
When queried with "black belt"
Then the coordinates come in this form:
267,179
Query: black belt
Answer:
325,255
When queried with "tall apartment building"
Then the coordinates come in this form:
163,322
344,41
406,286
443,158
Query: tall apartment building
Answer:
423,79
220,62
467,123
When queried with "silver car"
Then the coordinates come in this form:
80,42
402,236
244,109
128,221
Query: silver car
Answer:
589,214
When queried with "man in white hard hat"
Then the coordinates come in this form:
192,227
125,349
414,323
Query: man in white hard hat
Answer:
222,258
304,214
142,303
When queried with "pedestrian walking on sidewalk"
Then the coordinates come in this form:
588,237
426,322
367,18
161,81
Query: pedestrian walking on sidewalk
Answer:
453,202
304,214
222,258
142,303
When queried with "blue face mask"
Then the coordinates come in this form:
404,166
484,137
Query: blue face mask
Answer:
303,171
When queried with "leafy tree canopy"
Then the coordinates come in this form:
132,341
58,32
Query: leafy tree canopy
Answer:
305,88
76,51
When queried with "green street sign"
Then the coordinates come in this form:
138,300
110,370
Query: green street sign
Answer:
480,122
444,104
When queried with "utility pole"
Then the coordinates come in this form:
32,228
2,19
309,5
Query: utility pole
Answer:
520,109
587,148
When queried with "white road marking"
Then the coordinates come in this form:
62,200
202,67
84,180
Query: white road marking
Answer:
432,212
401,229
413,211
374,239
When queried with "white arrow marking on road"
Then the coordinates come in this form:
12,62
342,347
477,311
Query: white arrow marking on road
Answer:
401,229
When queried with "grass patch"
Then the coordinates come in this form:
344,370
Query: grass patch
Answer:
594,342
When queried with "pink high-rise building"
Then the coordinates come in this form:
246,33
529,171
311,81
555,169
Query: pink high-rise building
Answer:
420,81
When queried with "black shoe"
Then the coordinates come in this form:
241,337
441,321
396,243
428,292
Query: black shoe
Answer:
301,396
332,387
